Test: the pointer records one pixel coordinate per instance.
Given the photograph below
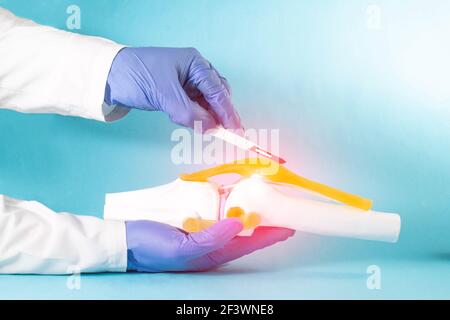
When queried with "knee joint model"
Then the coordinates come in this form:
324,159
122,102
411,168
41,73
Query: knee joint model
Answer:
261,197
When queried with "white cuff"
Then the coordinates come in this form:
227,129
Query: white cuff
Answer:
99,67
115,240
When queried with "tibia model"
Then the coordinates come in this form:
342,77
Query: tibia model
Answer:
261,197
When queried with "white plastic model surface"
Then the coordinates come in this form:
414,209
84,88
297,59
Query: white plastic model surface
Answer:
170,203
180,200
324,218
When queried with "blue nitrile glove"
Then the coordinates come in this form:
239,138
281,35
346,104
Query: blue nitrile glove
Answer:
158,247
177,81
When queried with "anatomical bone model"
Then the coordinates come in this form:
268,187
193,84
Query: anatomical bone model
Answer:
262,197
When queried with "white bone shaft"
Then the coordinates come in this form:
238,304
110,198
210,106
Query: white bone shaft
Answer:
171,203
281,210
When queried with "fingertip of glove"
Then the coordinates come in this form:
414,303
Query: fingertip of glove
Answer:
290,233
274,233
285,234
232,223
229,228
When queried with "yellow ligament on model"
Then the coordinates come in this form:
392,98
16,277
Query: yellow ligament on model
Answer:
264,168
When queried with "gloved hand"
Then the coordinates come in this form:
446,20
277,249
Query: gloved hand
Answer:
179,82
157,247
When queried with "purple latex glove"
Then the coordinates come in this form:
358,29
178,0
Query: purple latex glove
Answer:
158,247
177,81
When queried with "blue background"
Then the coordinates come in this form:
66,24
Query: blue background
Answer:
363,108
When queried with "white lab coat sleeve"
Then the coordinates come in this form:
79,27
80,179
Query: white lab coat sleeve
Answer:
45,70
36,240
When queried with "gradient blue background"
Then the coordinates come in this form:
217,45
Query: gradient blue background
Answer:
361,109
